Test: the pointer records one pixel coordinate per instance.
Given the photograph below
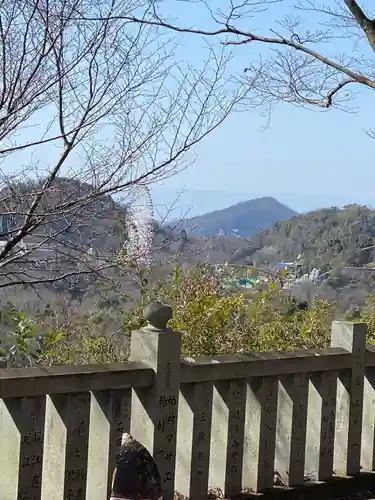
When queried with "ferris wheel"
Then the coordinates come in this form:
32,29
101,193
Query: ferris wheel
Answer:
139,219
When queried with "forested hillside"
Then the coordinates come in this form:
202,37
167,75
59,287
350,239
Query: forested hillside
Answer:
331,239
325,238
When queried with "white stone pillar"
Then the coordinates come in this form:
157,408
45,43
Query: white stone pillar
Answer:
291,428
193,440
321,425
260,433
21,458
154,411
349,410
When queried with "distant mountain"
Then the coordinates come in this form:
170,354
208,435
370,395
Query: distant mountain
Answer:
90,238
243,219
334,240
178,203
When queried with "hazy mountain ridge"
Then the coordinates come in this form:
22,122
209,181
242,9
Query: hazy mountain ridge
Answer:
243,219
321,235
330,239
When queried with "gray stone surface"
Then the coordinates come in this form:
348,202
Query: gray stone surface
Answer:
54,448
219,436
268,432
349,410
77,418
99,445
321,426
368,434
157,315
120,424
21,457
299,391
260,433
328,390
229,421
291,429
109,420
236,402
193,441
251,446
60,379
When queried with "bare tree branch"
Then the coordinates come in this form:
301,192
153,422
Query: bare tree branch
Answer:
367,25
102,105
291,69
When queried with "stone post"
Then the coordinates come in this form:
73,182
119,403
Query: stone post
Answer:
193,439
349,411
260,433
368,429
154,410
291,428
321,425
21,460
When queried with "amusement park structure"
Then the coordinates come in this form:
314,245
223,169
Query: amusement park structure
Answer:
286,274
242,276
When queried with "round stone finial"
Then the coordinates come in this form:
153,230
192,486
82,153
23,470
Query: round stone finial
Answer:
157,315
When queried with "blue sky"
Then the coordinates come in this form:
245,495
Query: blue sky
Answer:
304,158
307,158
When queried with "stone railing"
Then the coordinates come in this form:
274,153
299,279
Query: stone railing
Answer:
226,422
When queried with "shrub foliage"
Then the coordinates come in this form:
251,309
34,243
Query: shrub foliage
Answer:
211,320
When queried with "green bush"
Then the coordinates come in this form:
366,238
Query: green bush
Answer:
211,320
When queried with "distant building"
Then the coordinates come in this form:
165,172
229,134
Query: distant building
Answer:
292,268
5,225
283,266
236,233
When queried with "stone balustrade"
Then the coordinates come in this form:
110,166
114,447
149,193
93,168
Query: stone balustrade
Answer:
226,422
